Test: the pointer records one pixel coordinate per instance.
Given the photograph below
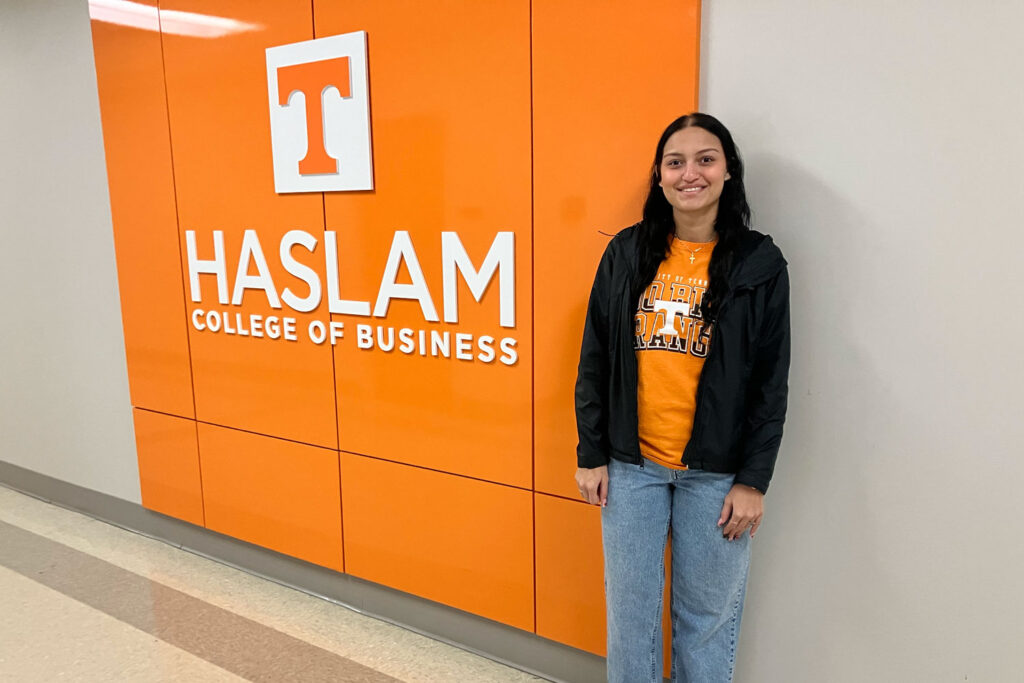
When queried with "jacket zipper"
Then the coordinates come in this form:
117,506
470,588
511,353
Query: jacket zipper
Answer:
638,458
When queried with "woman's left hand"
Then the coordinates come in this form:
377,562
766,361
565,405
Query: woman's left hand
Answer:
744,507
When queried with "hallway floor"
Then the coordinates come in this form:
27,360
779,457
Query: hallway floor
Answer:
82,600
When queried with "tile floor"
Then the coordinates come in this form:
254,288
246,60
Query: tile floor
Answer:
82,600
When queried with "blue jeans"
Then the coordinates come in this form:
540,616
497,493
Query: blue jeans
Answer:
709,573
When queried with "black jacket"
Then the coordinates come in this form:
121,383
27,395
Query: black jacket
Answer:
741,395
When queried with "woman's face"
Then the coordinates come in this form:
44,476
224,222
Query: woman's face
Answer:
693,170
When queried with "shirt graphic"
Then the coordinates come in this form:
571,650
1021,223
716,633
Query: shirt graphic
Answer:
671,342
669,316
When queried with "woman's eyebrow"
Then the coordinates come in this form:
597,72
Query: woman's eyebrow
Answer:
680,154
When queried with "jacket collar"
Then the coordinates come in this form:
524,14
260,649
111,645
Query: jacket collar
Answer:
758,259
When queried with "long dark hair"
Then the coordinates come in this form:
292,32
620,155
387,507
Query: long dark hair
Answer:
732,221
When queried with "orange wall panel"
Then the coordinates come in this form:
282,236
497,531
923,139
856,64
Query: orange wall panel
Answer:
607,79
168,452
129,74
274,493
220,133
459,541
270,386
570,573
570,577
450,107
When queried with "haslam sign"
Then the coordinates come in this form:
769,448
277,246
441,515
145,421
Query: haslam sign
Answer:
320,115
498,263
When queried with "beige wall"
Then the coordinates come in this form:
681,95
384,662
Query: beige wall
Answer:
64,406
883,142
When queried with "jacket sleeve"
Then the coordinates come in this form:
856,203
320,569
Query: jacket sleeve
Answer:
768,390
592,374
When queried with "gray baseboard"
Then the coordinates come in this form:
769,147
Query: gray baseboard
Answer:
514,647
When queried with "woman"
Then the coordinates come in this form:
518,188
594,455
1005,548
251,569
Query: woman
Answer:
680,401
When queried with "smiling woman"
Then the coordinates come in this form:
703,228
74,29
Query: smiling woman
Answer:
692,174
680,400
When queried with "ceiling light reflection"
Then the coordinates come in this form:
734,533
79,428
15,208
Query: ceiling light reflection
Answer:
175,22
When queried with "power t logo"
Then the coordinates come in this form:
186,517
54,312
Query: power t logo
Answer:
320,115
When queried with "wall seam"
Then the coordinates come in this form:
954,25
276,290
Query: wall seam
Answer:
334,363
350,452
181,264
533,332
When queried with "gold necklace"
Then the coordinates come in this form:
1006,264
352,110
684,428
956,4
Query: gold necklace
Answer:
693,253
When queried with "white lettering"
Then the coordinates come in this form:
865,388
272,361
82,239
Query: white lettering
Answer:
253,253
402,249
406,343
463,346
273,327
335,304
440,341
317,332
337,331
389,344
486,346
364,336
289,329
212,321
454,258
508,348
300,270
218,266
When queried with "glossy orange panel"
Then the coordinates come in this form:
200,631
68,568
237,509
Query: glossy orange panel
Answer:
459,541
275,386
570,573
570,576
607,79
129,75
168,453
450,104
274,493
220,132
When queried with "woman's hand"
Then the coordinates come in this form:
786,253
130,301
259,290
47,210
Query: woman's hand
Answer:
744,507
593,484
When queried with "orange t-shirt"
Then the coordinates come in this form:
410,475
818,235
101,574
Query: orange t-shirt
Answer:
671,343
